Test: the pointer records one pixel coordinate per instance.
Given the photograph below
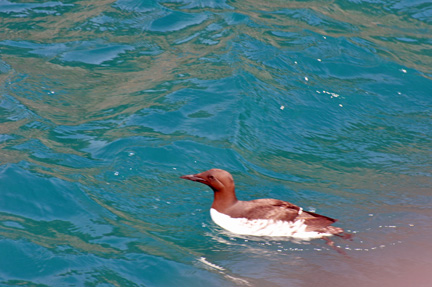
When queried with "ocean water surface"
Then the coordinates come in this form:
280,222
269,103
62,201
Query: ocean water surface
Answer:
104,104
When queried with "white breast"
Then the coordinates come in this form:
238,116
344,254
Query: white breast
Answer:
264,227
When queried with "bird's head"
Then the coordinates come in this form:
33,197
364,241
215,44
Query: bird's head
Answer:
217,179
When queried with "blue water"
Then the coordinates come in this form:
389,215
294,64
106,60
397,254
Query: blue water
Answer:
104,104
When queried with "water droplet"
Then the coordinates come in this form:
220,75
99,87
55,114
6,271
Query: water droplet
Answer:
131,153
282,107
319,60
306,79
116,173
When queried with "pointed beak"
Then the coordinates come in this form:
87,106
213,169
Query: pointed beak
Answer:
194,177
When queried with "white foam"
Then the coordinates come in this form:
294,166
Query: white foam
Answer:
212,265
264,227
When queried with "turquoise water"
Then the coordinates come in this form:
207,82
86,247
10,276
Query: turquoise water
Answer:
104,104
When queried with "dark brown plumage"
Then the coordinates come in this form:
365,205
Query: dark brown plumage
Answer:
226,202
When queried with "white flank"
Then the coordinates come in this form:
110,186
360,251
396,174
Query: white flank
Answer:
264,227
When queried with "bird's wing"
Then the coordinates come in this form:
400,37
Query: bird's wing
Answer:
269,209
316,222
282,210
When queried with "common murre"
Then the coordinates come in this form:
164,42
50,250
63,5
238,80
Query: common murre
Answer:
261,217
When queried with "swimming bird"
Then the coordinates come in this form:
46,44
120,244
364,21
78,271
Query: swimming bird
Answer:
261,217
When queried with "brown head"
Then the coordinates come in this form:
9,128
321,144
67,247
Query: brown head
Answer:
222,184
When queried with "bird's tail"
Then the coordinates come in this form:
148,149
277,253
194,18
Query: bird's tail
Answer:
333,230
337,231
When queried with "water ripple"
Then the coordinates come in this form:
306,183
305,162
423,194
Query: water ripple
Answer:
103,105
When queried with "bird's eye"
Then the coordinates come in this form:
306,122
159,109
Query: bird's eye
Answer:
211,177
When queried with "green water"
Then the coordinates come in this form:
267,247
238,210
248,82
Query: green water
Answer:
104,104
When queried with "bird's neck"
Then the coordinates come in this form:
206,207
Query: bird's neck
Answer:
224,199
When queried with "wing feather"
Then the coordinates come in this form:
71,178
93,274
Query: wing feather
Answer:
280,210
267,209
